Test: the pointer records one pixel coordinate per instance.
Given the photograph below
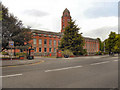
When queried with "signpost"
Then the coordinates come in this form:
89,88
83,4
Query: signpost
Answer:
11,45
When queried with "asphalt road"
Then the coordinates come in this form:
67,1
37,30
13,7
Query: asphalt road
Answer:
83,72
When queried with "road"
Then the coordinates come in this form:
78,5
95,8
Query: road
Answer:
79,72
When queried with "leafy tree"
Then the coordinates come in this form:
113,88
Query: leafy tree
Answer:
101,44
117,44
106,45
111,42
0,12
12,29
0,26
72,40
67,52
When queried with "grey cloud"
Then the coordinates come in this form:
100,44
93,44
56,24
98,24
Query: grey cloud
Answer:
36,13
102,32
32,24
102,9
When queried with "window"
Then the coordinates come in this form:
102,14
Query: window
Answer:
35,49
49,49
40,49
58,42
44,34
63,20
45,50
45,41
21,50
68,20
40,41
54,49
34,41
63,27
49,35
39,34
54,42
50,42
34,33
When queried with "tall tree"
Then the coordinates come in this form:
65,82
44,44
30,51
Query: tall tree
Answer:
101,44
0,26
12,29
117,44
72,40
110,42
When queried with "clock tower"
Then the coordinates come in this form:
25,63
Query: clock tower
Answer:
65,19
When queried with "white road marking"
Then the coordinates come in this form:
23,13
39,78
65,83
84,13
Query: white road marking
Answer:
115,60
99,63
67,58
63,68
11,75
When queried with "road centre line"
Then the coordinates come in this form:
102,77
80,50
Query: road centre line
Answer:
100,63
11,75
115,60
63,68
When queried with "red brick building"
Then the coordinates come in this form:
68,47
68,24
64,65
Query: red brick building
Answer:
46,43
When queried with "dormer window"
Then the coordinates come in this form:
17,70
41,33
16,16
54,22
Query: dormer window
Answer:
49,35
39,34
45,35
34,33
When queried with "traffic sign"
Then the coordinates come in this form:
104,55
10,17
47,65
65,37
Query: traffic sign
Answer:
11,44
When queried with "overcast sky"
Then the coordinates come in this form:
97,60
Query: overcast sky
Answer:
96,18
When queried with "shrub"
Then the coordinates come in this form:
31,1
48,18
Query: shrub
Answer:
98,53
21,54
67,52
5,53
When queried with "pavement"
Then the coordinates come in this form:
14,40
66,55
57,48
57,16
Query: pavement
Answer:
6,63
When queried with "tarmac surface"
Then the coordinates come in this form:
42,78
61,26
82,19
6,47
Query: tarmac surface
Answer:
77,72
5,63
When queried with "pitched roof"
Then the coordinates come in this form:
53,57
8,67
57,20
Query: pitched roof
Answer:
45,32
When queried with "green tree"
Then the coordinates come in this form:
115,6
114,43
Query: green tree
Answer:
110,42
101,44
13,29
117,44
0,26
72,40
0,12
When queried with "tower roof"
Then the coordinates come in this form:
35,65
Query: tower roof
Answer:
66,10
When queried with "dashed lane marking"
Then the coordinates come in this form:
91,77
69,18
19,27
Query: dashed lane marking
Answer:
67,58
11,75
115,60
100,63
62,68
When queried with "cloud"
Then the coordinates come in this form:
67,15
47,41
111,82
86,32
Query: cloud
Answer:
46,15
35,13
102,32
102,9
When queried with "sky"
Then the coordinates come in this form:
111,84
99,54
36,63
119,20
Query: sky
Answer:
96,18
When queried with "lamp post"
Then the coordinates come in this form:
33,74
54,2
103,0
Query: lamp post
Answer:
104,47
